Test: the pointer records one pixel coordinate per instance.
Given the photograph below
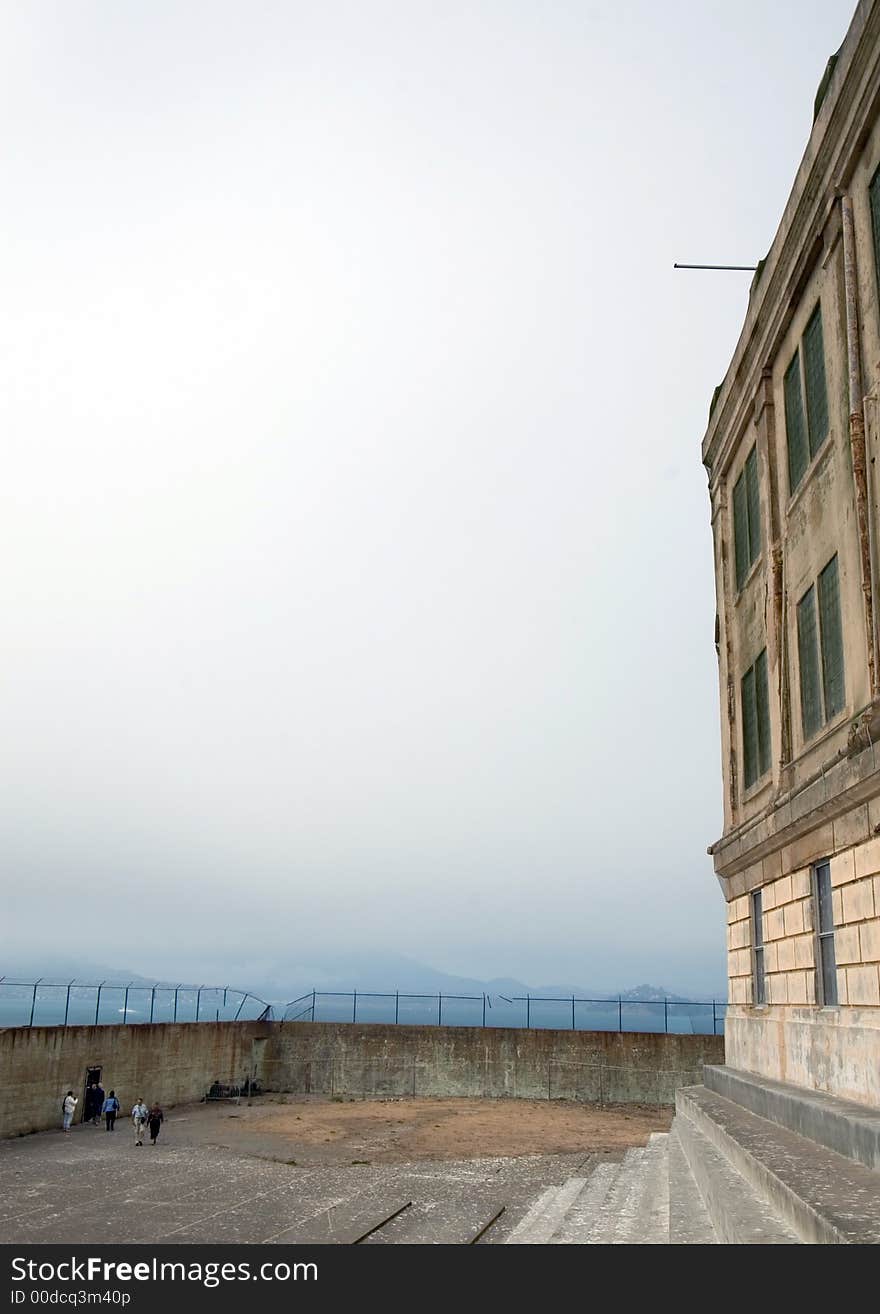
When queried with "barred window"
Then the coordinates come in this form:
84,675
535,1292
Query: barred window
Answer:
759,990
827,972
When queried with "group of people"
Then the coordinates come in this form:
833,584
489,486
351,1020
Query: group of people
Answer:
97,1104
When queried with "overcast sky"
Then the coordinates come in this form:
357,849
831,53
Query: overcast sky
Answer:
357,577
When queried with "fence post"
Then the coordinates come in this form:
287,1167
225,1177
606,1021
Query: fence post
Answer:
175,1002
313,1005
34,1001
714,1020
619,1013
152,1003
354,1005
67,1005
665,1015
572,1012
440,1009
125,1005
396,1007
98,1002
484,1008
528,1009
198,1001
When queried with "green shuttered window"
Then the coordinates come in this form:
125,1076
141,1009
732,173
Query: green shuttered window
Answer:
795,424
746,518
832,640
806,426
814,377
755,704
808,650
874,195
762,700
820,651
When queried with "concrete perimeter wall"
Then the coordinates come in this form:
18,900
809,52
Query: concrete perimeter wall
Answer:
173,1064
595,1066
177,1064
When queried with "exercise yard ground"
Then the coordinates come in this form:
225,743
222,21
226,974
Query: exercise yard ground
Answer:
304,1169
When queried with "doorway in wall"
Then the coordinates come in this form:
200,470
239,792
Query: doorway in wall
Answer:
93,1077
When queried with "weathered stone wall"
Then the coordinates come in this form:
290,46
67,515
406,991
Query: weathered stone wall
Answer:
793,1039
813,787
176,1064
350,1059
173,1064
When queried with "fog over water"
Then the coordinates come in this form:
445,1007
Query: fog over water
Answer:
357,575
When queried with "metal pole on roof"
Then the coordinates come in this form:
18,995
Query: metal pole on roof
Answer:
752,268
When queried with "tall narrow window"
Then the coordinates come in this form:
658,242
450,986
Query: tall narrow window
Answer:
874,196
806,426
825,923
811,696
814,378
832,639
746,518
755,703
795,424
759,991
820,651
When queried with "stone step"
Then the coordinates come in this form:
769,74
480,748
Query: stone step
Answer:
619,1198
689,1221
618,1218
816,1194
850,1129
546,1214
580,1218
736,1211
646,1223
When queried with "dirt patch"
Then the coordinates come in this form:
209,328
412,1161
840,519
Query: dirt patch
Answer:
310,1130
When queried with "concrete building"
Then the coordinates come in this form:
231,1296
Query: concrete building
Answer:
782,1142
794,482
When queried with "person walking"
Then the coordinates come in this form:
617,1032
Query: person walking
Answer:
99,1103
68,1108
156,1118
110,1108
139,1115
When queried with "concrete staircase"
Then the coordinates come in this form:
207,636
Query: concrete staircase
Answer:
747,1162
775,1164
625,1203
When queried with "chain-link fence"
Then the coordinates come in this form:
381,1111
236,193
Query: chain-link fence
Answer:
569,1013
77,1003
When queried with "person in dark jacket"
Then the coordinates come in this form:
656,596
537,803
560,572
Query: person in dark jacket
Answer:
155,1120
110,1109
99,1103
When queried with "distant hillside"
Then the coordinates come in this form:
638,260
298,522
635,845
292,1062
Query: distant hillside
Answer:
363,972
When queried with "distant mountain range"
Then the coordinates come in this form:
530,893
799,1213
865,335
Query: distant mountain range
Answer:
365,973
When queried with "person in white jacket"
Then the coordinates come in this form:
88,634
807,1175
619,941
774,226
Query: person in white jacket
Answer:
139,1115
68,1107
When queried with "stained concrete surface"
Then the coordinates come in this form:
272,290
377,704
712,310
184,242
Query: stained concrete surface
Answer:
219,1174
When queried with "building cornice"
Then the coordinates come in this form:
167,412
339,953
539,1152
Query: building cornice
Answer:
846,784
832,151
